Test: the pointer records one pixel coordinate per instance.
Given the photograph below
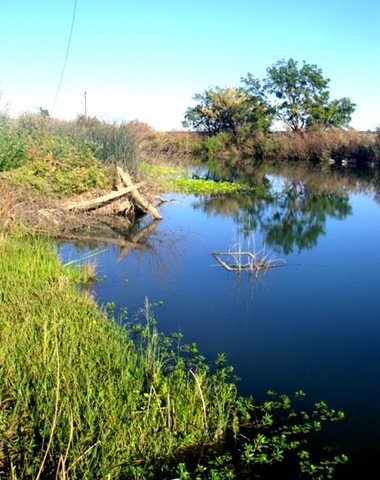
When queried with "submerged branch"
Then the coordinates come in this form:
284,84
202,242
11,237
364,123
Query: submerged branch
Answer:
252,263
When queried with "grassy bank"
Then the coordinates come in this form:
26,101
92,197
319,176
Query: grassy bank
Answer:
79,398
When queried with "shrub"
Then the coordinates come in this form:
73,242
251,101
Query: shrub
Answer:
58,165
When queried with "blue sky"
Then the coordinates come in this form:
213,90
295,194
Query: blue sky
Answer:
145,59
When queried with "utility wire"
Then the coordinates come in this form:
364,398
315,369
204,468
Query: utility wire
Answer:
66,57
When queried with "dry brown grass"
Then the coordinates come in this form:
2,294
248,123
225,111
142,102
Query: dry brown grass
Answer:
48,216
333,145
6,207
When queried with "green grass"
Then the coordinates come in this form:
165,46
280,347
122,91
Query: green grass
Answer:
78,397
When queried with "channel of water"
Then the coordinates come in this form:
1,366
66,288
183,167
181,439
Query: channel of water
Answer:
312,324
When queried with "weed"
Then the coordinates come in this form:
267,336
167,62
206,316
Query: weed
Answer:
13,146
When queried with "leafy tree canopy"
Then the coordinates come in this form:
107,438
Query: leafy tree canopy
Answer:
303,99
336,113
297,96
227,110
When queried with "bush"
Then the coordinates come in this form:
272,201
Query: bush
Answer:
58,166
220,144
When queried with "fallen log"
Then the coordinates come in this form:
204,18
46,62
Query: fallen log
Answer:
103,200
139,200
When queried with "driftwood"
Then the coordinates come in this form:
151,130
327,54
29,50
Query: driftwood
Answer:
139,200
84,216
94,203
117,199
247,261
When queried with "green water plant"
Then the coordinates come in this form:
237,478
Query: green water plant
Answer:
178,179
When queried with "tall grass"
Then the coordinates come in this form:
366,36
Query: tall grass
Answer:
333,145
111,142
13,146
78,397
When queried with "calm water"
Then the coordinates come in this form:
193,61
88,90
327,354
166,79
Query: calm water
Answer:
313,324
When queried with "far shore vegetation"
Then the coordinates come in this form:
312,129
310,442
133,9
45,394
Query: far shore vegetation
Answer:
86,395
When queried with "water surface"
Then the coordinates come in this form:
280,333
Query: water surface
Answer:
312,324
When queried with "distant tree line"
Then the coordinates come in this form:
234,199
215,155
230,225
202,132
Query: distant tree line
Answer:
295,95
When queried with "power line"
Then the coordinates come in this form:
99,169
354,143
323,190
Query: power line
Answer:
66,57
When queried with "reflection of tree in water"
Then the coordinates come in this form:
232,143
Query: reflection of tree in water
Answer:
298,216
294,216
226,206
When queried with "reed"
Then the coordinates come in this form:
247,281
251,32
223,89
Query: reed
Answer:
112,142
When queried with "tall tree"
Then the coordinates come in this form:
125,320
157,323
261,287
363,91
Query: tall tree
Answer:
336,113
303,97
227,110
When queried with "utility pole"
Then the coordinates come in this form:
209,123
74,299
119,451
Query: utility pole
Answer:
85,105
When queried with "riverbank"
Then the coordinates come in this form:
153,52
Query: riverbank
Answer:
82,396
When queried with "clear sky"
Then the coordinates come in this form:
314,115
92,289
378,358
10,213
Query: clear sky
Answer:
145,59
